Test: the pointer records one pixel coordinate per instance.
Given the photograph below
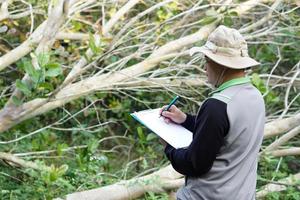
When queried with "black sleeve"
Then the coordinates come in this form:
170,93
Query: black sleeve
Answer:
211,126
189,122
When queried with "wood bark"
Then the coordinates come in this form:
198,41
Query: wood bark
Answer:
281,186
164,179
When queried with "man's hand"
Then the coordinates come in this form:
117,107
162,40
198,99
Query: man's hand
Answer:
173,115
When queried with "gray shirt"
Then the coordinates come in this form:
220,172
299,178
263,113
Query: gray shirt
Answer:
233,172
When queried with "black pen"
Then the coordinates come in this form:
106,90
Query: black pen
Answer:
169,106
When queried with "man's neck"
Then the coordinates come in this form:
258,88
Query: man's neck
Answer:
233,74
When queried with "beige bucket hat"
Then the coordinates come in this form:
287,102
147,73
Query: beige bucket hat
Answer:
227,47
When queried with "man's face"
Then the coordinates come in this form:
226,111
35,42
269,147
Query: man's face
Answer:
213,71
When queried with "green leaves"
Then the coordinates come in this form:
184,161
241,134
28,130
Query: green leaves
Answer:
93,146
53,69
50,69
270,96
16,101
141,134
43,59
151,136
54,173
23,87
208,20
96,49
228,17
38,77
33,73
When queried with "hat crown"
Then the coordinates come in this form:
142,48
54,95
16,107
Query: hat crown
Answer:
227,40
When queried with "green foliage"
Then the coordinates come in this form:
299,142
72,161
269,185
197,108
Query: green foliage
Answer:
93,46
39,84
291,193
270,97
153,196
22,86
53,69
167,11
208,20
228,18
97,164
54,173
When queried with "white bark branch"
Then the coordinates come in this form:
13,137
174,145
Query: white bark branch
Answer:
292,180
280,126
36,37
78,67
294,151
283,139
108,26
15,161
71,36
164,179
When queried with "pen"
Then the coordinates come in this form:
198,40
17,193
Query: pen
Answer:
170,104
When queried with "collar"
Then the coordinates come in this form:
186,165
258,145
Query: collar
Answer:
232,82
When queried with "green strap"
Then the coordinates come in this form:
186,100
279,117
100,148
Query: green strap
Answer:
232,82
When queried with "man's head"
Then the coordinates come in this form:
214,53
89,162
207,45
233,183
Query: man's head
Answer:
217,74
227,55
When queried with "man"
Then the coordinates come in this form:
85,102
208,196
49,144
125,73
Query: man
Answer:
221,161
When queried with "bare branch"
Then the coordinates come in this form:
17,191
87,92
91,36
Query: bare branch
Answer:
283,139
292,180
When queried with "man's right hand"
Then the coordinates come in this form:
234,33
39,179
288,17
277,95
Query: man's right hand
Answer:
173,115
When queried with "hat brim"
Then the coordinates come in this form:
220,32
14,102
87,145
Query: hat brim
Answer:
227,61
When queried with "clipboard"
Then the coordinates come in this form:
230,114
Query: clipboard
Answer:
174,134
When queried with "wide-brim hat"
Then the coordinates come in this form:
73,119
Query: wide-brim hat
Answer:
227,47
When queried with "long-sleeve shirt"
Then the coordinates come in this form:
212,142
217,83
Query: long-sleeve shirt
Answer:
221,161
209,128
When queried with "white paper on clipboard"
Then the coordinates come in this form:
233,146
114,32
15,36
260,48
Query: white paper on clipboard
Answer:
174,134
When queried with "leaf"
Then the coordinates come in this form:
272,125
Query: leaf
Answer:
207,20
145,164
227,21
45,86
114,59
42,73
29,69
62,170
141,134
54,70
92,45
16,101
43,59
77,25
23,87
60,148
53,176
233,13
33,73
151,136
93,145
52,65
